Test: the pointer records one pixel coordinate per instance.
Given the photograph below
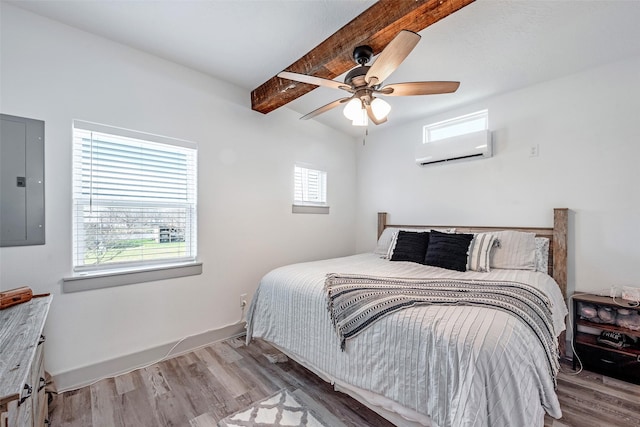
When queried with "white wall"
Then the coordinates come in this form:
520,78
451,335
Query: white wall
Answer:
586,127
55,73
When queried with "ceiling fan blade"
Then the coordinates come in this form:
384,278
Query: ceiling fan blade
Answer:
392,56
418,88
372,116
318,81
324,108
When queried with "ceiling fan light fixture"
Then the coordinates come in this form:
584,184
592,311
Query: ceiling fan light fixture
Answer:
365,81
361,118
380,108
352,109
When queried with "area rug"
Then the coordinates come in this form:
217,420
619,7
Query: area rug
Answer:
285,408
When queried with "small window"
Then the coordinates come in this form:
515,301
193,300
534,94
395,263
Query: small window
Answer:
134,199
310,190
457,126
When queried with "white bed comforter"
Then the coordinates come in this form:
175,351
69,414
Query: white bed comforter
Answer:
454,365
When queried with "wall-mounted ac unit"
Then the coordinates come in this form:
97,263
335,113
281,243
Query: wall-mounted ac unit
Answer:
475,145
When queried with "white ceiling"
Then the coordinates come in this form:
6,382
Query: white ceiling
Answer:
490,46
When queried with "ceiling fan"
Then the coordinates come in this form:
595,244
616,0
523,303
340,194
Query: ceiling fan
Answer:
365,82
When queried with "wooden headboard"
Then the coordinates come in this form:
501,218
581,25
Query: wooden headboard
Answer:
557,236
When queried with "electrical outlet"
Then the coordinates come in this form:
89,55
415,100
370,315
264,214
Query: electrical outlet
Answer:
534,150
243,300
613,292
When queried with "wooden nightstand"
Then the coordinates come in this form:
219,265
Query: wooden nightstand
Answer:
622,363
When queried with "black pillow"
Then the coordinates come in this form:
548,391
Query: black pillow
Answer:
410,246
448,250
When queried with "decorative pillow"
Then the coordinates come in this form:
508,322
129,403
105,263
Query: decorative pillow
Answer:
392,245
384,241
480,251
448,250
387,239
410,246
542,254
516,251
394,240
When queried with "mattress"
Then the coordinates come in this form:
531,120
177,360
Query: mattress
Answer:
436,365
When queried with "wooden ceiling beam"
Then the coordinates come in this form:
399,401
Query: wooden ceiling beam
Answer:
375,27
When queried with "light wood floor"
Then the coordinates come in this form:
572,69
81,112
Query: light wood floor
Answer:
200,388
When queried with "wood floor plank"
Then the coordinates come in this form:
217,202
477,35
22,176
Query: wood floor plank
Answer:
175,371
204,420
614,388
137,408
74,409
156,381
227,377
632,391
576,418
587,398
612,402
168,406
605,411
230,381
105,404
227,353
237,342
200,388
124,384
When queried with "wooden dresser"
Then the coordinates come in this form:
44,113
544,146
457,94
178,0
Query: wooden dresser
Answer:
23,402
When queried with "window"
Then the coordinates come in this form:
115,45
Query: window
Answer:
134,199
310,190
457,126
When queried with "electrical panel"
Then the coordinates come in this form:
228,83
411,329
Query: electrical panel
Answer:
21,181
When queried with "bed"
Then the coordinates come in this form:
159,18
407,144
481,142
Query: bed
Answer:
430,364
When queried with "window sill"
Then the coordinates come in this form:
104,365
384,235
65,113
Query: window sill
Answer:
309,209
90,281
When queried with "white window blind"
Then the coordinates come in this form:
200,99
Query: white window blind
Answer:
457,126
134,198
310,187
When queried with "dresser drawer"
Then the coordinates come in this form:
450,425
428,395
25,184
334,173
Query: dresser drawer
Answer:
38,382
614,364
23,401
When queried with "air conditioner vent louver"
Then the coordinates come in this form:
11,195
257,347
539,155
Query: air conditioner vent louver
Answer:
473,145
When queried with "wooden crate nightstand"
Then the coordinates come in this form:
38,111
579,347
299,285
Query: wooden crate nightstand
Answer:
622,363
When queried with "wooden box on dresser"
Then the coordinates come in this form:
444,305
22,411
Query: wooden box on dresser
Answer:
23,401
623,362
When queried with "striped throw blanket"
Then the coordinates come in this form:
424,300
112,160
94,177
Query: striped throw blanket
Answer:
356,301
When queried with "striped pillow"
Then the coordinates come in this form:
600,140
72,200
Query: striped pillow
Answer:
480,251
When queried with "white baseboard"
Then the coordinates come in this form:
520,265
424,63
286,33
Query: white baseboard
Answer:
80,377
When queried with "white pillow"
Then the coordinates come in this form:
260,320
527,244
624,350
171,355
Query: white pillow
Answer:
542,254
392,245
480,251
384,241
516,251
